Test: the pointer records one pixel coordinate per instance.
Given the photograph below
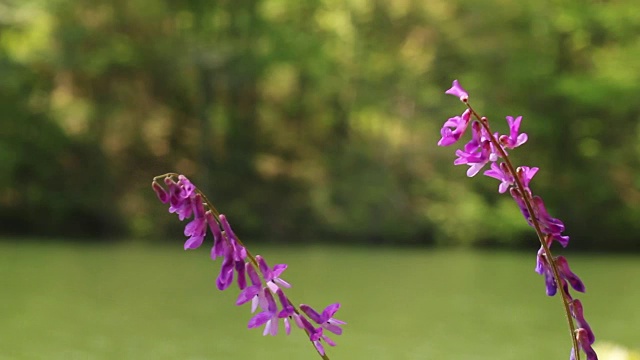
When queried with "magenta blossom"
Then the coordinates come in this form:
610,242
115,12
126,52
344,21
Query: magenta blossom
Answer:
578,313
315,334
325,320
454,128
514,139
219,243
197,228
582,335
162,194
187,188
475,160
272,276
457,90
179,204
254,292
500,172
525,174
566,275
225,277
549,224
268,317
239,252
287,312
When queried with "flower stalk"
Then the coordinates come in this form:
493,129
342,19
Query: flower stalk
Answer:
187,201
566,300
488,147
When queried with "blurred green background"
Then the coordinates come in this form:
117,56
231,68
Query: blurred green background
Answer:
313,126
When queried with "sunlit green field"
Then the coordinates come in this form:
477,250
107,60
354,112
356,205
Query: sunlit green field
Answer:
75,301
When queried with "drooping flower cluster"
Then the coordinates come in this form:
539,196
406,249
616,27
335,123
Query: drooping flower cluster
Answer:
485,148
187,201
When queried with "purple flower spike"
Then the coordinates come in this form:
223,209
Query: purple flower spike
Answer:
501,173
325,320
162,194
487,147
514,139
457,90
272,276
454,128
268,317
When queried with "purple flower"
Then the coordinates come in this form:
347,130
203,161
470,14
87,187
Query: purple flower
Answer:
567,274
187,188
518,198
525,174
162,194
457,90
549,225
454,128
582,335
475,160
239,252
514,139
219,244
225,278
544,268
268,316
183,207
287,311
242,278
315,334
253,292
325,320
272,276
174,191
500,172
197,228
578,313
178,204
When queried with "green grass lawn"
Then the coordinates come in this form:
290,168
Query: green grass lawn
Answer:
74,301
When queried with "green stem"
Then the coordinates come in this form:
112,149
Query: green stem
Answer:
536,225
252,258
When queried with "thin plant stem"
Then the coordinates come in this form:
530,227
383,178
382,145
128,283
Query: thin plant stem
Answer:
536,225
252,258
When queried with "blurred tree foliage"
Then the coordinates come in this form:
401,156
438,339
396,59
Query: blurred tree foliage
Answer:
316,119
